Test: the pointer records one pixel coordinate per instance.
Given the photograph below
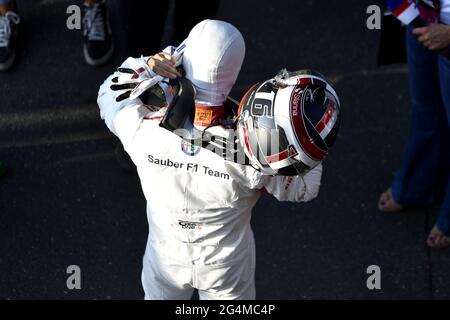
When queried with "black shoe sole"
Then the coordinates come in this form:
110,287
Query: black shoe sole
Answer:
98,62
8,63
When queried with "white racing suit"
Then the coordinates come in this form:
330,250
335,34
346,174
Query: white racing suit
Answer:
198,206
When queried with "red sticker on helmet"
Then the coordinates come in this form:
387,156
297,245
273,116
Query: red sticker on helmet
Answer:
328,115
290,152
301,133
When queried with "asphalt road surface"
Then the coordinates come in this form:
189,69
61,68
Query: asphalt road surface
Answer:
66,201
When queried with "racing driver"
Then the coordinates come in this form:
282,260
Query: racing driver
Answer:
198,202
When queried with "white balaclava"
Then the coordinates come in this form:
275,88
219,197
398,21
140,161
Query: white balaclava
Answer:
212,60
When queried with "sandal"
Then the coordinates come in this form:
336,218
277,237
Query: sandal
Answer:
386,203
437,239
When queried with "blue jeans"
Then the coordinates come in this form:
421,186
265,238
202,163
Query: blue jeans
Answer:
424,177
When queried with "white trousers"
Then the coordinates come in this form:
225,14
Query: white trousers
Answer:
164,278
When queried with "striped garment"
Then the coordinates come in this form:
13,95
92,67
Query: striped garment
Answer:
445,11
429,10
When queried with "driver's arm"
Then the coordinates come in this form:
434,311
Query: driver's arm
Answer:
123,118
296,189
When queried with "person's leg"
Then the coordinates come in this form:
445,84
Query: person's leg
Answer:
9,19
163,279
183,23
415,182
230,284
235,281
440,235
444,77
98,44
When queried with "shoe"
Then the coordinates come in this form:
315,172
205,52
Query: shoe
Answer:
98,44
8,39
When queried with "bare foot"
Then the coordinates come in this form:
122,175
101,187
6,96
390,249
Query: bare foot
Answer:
386,203
437,239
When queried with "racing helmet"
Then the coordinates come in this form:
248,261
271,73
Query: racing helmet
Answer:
287,125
